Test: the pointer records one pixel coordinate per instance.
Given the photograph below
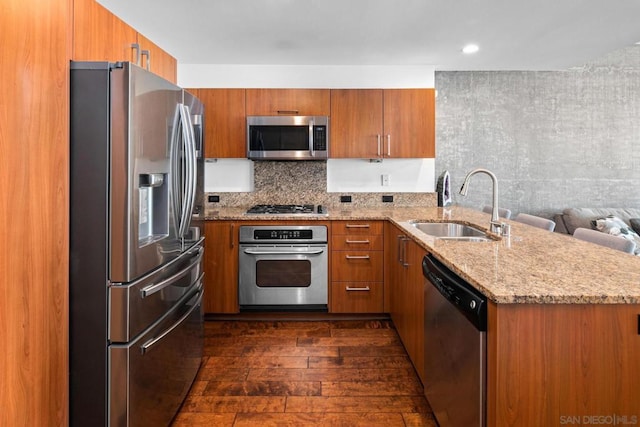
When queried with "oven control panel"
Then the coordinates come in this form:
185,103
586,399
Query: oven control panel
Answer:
282,234
290,234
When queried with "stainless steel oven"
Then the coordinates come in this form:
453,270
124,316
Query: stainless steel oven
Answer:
283,267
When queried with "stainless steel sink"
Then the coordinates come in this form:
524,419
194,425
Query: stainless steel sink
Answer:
452,231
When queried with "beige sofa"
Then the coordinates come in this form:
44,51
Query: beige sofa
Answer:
572,218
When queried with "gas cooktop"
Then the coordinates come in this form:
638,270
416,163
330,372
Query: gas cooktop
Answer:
288,209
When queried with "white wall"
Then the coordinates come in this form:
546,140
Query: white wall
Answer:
406,175
306,76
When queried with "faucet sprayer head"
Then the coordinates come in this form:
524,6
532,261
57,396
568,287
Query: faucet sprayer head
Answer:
464,188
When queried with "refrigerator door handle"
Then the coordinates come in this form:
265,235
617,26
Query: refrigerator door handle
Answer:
174,158
187,178
192,169
198,299
155,287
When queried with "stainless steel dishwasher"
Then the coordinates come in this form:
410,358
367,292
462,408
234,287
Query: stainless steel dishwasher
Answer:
455,324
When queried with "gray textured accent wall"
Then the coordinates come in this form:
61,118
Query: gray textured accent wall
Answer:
554,139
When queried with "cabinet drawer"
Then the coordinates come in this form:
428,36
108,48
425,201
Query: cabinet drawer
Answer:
357,266
356,297
356,227
357,242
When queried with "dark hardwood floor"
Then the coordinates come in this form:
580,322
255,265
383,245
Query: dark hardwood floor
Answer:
297,373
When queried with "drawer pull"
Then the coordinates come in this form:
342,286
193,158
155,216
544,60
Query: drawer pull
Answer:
364,242
357,256
365,289
357,226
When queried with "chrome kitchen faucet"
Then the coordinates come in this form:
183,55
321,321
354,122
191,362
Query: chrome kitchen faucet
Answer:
495,225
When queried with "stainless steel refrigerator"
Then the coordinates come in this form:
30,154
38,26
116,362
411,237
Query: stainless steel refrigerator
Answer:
136,319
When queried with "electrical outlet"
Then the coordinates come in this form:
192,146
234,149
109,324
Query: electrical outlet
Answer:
345,199
387,199
214,199
386,178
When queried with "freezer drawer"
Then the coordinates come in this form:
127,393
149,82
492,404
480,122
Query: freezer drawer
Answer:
135,306
150,377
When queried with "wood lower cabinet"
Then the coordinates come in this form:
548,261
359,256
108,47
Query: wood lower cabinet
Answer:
557,364
225,125
357,267
221,267
292,102
382,123
404,292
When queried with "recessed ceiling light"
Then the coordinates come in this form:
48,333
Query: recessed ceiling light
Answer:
470,48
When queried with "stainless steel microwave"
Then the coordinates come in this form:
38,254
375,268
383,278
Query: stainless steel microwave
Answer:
288,137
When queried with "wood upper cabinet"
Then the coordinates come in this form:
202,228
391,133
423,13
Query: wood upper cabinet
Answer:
157,60
293,102
382,123
99,35
221,267
225,122
409,123
356,123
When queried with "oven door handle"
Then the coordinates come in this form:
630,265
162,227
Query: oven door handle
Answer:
264,252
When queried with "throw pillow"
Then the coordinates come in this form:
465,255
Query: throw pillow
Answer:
635,224
617,227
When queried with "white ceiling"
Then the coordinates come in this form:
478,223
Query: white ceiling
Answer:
512,34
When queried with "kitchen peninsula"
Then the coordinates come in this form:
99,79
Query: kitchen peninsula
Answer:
563,337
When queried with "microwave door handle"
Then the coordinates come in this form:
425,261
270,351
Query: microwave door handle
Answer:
311,150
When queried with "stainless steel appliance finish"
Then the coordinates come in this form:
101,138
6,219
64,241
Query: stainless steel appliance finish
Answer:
455,347
283,267
136,271
288,137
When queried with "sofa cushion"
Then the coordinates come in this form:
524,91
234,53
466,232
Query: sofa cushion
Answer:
581,217
616,227
635,224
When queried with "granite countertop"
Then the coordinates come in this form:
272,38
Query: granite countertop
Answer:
530,266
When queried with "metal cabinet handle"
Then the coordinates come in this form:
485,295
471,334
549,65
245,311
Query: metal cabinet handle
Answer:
357,256
287,111
364,242
232,236
148,55
379,144
389,145
365,289
405,239
136,48
357,226
399,248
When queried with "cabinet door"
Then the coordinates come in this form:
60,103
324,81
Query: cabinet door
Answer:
99,35
157,61
293,102
225,123
356,123
414,305
221,267
409,123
